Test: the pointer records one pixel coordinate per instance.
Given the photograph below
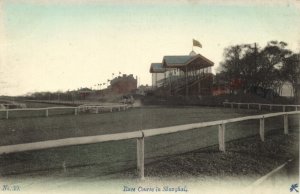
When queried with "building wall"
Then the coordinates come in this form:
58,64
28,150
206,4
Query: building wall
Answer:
156,79
173,72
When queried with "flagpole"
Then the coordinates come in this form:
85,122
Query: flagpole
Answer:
192,45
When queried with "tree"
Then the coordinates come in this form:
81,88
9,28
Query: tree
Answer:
291,72
232,66
256,67
271,63
240,64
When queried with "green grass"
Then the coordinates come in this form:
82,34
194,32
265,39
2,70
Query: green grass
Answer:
109,157
244,158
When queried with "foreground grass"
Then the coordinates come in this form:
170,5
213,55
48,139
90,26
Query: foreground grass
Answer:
246,157
110,157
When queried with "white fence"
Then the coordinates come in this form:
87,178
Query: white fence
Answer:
76,110
260,106
98,108
142,134
74,102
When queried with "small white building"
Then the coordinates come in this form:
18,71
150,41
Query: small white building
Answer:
287,90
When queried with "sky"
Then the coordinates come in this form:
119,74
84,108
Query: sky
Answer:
66,45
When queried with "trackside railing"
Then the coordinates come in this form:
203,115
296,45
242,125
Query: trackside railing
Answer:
259,106
101,107
73,102
142,134
76,110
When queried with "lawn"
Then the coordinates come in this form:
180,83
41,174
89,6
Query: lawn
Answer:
106,158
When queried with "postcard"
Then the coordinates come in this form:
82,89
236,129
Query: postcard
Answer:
164,97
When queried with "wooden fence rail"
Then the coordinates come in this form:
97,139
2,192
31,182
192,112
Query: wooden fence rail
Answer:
142,134
260,105
73,102
76,109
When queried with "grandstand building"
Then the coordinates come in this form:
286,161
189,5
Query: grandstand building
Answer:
183,75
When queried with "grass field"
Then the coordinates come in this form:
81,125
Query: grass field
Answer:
110,157
245,158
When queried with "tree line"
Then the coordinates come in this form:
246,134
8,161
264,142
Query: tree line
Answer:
265,68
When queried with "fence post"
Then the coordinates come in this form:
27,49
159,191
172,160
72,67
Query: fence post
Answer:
140,156
47,113
296,108
97,110
75,111
286,124
262,128
283,108
248,106
259,106
222,137
6,113
111,109
299,121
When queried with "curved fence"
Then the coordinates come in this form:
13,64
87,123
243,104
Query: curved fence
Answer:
260,106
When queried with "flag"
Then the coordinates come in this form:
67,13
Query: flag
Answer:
197,43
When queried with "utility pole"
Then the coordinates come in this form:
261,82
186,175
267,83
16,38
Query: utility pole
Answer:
298,80
186,83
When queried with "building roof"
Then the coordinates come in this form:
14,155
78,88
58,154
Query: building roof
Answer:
176,60
157,68
187,62
183,62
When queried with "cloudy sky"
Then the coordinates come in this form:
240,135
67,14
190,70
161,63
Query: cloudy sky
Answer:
56,45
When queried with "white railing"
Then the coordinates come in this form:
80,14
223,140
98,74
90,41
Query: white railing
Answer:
142,134
38,109
260,105
76,109
103,107
74,102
